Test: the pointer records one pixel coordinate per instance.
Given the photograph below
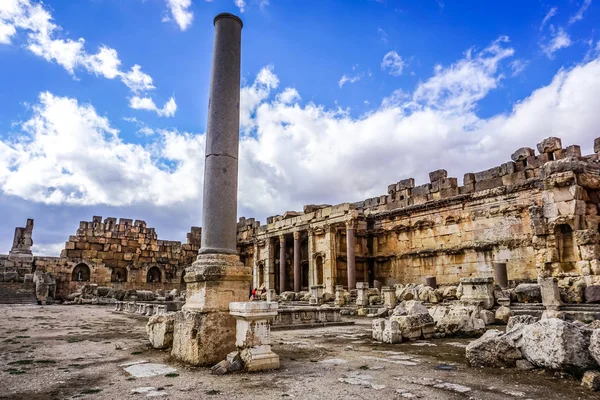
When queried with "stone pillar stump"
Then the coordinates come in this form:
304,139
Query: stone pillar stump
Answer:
389,297
362,294
253,334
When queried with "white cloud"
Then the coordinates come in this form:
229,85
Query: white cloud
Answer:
43,40
241,4
146,103
393,63
179,11
252,96
382,35
518,66
551,13
348,79
288,96
579,14
68,154
461,85
300,153
560,40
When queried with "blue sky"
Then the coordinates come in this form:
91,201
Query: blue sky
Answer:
103,102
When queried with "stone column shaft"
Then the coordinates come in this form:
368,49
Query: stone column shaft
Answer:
282,266
255,270
297,269
219,207
351,265
311,261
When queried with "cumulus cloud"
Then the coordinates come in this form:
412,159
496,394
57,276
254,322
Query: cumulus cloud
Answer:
179,11
289,95
560,40
146,103
579,14
67,154
393,63
461,85
299,153
43,40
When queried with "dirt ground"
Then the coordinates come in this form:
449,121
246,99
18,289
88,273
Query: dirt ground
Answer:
63,352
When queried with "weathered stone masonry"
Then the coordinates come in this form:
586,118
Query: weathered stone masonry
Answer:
536,213
122,254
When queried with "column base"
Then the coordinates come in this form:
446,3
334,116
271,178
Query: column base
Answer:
204,331
259,358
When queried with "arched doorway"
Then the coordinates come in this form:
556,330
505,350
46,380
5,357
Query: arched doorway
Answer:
118,275
81,273
154,275
319,263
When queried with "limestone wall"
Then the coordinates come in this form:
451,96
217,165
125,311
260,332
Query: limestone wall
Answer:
124,253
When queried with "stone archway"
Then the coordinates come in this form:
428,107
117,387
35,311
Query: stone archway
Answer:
81,273
118,275
154,275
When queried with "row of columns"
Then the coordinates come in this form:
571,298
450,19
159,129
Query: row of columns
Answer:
296,264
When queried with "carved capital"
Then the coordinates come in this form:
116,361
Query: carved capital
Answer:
351,224
297,235
281,238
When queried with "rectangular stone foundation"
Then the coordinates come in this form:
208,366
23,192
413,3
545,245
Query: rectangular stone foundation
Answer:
203,338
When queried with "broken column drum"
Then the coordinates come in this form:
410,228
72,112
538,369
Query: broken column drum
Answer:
204,332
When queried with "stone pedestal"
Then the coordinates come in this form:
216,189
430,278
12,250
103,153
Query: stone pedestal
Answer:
389,297
362,295
316,295
204,331
253,335
478,290
550,298
339,296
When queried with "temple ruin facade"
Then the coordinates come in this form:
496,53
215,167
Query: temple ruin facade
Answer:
538,214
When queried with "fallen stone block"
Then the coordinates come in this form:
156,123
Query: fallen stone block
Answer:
528,293
591,380
520,320
557,344
493,349
592,294
160,330
502,315
595,345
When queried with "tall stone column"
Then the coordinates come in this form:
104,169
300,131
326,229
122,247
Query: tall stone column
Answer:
282,266
311,262
269,265
297,269
255,270
204,332
351,262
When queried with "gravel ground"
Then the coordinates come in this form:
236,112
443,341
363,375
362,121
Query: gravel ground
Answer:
62,352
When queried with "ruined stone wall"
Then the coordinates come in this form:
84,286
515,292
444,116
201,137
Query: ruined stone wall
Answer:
537,213
123,254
